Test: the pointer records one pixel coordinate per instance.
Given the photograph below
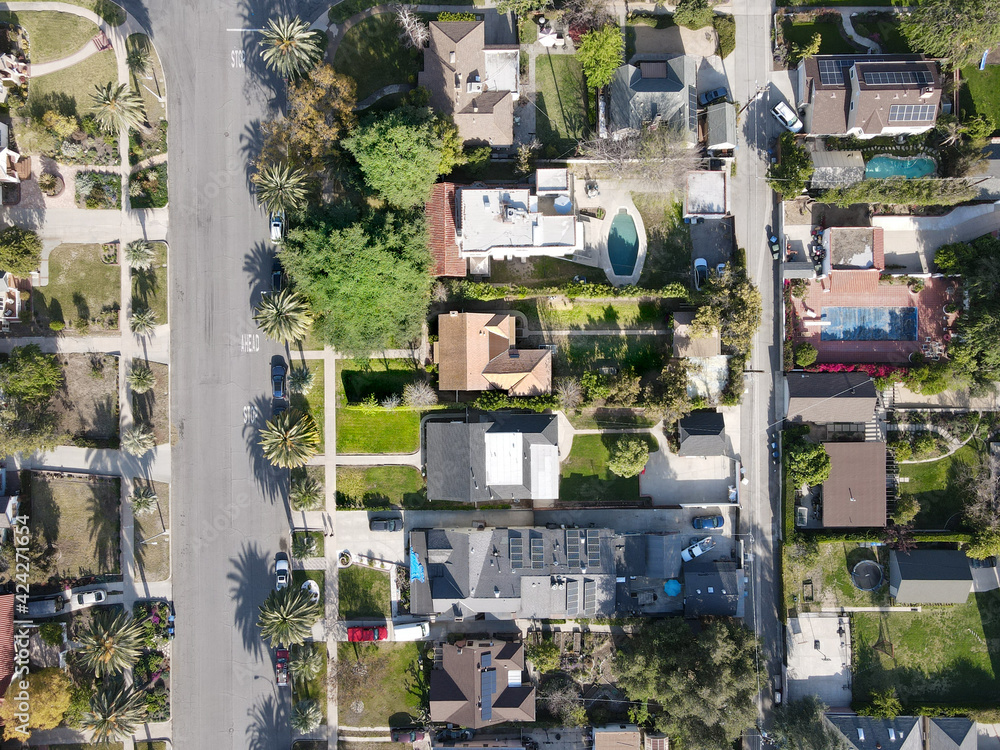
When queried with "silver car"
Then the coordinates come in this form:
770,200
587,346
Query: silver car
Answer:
697,549
784,114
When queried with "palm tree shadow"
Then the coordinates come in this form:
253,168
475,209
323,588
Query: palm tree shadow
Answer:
272,480
104,524
268,724
257,267
250,566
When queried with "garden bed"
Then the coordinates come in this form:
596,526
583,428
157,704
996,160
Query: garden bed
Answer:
145,145
151,673
147,188
98,190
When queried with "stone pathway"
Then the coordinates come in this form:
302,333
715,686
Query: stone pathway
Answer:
954,444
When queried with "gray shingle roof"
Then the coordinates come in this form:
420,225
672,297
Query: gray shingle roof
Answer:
930,576
637,101
703,433
824,397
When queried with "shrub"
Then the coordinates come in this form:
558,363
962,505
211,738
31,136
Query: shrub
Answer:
447,15
628,456
924,445
56,325
418,394
20,250
907,509
51,633
301,380
805,355
544,655
902,450
62,125
725,28
693,14
47,183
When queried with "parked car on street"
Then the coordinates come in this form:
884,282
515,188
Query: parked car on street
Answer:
789,120
700,272
446,735
277,276
708,522
697,549
386,524
710,97
361,634
282,573
278,372
277,226
281,667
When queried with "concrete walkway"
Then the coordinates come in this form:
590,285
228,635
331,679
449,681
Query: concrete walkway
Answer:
156,348
90,48
954,444
845,15
154,465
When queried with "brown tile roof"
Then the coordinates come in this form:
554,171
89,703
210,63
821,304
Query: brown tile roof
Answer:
613,738
457,695
487,119
521,372
854,282
440,213
685,345
854,495
6,642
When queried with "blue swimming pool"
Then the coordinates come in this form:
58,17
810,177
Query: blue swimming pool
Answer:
869,324
623,244
910,167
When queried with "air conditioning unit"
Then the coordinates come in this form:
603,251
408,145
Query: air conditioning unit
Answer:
475,87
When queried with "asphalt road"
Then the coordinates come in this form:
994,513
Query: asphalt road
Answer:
229,513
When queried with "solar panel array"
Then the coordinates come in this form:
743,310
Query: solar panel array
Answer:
488,685
911,112
889,78
572,597
486,660
537,554
516,552
831,72
573,548
589,597
593,549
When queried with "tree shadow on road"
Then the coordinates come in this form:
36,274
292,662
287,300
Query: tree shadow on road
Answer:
268,724
271,480
250,566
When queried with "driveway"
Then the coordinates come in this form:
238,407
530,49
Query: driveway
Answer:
923,235
713,241
353,534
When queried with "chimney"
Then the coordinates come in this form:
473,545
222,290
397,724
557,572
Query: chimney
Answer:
451,57
475,106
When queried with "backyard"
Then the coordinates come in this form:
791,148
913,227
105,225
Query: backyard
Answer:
882,27
586,477
940,655
152,551
387,683
580,354
153,407
934,486
369,428
86,404
81,287
834,42
541,271
51,35
380,486
981,94
819,577
76,519
561,119
668,241
313,403
364,593
544,313
373,46
149,286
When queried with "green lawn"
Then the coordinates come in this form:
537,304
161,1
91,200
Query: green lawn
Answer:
363,430
317,537
668,241
51,35
934,486
585,474
940,655
585,315
149,287
364,593
561,117
389,689
69,89
301,576
399,486
313,403
829,571
155,110
833,43
882,28
579,354
981,94
80,286
373,48
316,687
375,377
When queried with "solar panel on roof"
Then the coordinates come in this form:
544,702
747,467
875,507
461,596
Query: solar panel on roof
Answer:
572,597
516,552
573,548
589,597
831,72
890,77
537,555
911,112
593,549
486,660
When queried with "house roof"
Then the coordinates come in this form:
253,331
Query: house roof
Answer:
703,433
713,589
480,684
953,734
471,81
720,120
658,88
824,397
854,494
496,456
476,352
6,642
440,213
856,247
930,576
887,91
833,169
620,737
855,282
906,732
686,345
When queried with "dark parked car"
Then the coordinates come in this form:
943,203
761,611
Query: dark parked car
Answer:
277,277
708,522
406,735
710,97
386,524
278,406
278,381
455,734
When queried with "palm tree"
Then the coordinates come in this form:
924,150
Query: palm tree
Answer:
111,644
306,716
143,500
301,379
306,663
139,254
143,321
115,711
283,316
290,439
138,440
305,493
304,545
137,56
140,378
118,108
287,616
280,187
290,48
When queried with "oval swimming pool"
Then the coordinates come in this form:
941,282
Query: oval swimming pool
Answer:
910,167
623,244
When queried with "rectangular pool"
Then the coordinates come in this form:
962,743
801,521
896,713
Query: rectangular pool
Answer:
869,324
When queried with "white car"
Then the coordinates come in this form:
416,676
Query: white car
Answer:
784,114
697,549
282,573
277,227
90,597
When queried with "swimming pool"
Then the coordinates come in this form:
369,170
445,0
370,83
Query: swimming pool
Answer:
910,167
869,324
623,244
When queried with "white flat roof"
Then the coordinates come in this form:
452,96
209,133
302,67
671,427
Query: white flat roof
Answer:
706,194
504,464
551,180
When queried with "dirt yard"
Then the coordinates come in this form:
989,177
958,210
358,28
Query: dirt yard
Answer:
153,407
87,403
152,555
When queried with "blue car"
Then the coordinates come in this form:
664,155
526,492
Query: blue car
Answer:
708,522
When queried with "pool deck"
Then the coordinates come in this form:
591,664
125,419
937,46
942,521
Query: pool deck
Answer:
596,234
821,293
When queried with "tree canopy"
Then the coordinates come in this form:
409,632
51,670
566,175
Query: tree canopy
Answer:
807,463
628,456
600,53
51,692
522,7
799,725
789,177
20,250
402,152
693,14
28,381
959,30
733,305
368,281
700,688
899,191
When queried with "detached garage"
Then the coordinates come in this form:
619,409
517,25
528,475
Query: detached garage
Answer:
930,576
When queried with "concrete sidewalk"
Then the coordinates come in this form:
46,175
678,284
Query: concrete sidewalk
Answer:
104,461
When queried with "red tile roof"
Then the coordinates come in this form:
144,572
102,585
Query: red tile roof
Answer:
878,247
6,642
440,213
854,282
